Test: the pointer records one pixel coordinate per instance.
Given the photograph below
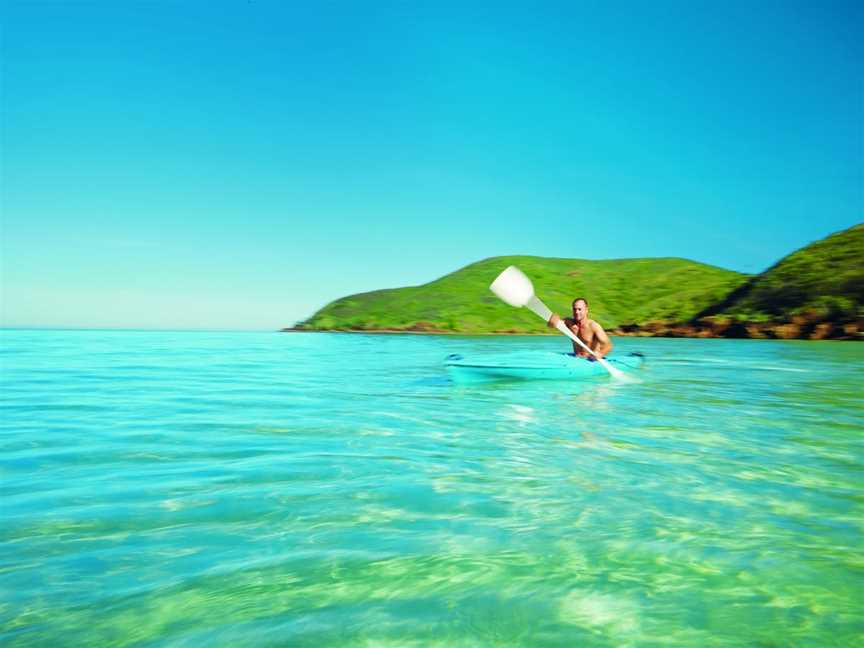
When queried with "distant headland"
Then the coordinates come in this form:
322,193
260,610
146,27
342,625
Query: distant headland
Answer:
816,292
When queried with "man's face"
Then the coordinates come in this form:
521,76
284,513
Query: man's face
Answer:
580,310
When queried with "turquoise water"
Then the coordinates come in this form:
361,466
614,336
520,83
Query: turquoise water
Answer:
189,489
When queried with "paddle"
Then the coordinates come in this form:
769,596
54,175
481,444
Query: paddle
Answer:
513,287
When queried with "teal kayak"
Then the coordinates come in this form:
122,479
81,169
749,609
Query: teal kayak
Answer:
533,365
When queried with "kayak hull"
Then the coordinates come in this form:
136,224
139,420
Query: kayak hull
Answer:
533,365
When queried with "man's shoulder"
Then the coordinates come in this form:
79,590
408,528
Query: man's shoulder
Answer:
594,324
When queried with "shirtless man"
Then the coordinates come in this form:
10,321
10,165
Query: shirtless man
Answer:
589,331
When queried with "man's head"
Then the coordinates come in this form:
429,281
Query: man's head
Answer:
580,309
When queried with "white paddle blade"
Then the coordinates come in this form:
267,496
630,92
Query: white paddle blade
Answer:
513,287
613,371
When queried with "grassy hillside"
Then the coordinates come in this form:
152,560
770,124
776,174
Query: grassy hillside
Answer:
824,280
619,291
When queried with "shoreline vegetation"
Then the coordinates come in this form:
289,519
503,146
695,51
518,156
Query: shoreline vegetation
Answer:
798,328
815,293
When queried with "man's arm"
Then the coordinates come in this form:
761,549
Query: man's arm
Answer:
604,344
553,321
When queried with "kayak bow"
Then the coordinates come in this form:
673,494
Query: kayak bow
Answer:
532,365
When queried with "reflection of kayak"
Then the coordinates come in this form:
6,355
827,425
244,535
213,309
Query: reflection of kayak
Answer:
532,365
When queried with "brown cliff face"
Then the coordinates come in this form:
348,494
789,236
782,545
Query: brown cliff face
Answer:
808,326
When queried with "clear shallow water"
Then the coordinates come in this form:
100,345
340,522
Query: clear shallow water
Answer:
192,489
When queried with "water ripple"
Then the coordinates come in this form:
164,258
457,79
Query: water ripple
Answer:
313,489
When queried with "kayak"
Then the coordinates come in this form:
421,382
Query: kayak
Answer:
533,365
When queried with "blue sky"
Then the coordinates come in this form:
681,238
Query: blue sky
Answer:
240,164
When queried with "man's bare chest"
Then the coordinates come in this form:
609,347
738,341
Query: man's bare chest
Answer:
585,332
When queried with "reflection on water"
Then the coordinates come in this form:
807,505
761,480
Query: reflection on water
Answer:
336,489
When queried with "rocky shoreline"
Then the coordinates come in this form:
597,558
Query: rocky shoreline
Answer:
800,327
795,328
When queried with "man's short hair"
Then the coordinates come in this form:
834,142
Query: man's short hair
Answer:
573,303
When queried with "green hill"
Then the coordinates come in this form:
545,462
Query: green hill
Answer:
619,291
823,281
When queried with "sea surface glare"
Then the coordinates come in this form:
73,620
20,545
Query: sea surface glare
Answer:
227,489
